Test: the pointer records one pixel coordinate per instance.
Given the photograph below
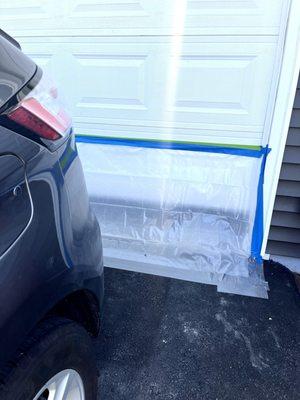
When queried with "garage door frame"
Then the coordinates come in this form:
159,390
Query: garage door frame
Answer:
282,113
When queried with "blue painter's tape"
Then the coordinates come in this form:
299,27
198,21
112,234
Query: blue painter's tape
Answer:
153,144
258,229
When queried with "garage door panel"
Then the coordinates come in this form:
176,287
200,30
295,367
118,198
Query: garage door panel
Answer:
110,9
120,84
81,17
231,88
137,82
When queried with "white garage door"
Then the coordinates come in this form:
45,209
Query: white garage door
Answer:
177,70
192,70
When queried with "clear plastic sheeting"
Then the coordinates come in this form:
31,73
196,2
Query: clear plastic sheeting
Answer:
183,214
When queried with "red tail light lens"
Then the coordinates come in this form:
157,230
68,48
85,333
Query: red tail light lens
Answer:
43,112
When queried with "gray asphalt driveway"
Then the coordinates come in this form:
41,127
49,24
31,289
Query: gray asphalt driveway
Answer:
169,339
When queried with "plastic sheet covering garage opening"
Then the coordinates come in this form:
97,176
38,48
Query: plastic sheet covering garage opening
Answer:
192,215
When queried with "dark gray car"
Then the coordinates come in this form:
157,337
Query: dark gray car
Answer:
51,269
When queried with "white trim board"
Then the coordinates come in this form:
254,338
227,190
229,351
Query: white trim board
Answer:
282,114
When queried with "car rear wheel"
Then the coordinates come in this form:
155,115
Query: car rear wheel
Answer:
66,384
56,363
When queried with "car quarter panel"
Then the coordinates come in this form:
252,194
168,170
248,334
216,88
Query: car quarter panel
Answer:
60,251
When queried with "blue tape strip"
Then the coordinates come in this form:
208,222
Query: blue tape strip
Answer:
153,144
258,228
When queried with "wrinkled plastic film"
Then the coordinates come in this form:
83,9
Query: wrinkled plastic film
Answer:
184,214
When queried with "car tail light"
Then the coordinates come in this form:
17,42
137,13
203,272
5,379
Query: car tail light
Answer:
43,111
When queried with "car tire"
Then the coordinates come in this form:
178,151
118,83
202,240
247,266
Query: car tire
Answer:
55,346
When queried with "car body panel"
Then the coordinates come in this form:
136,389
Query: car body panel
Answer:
16,208
56,248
